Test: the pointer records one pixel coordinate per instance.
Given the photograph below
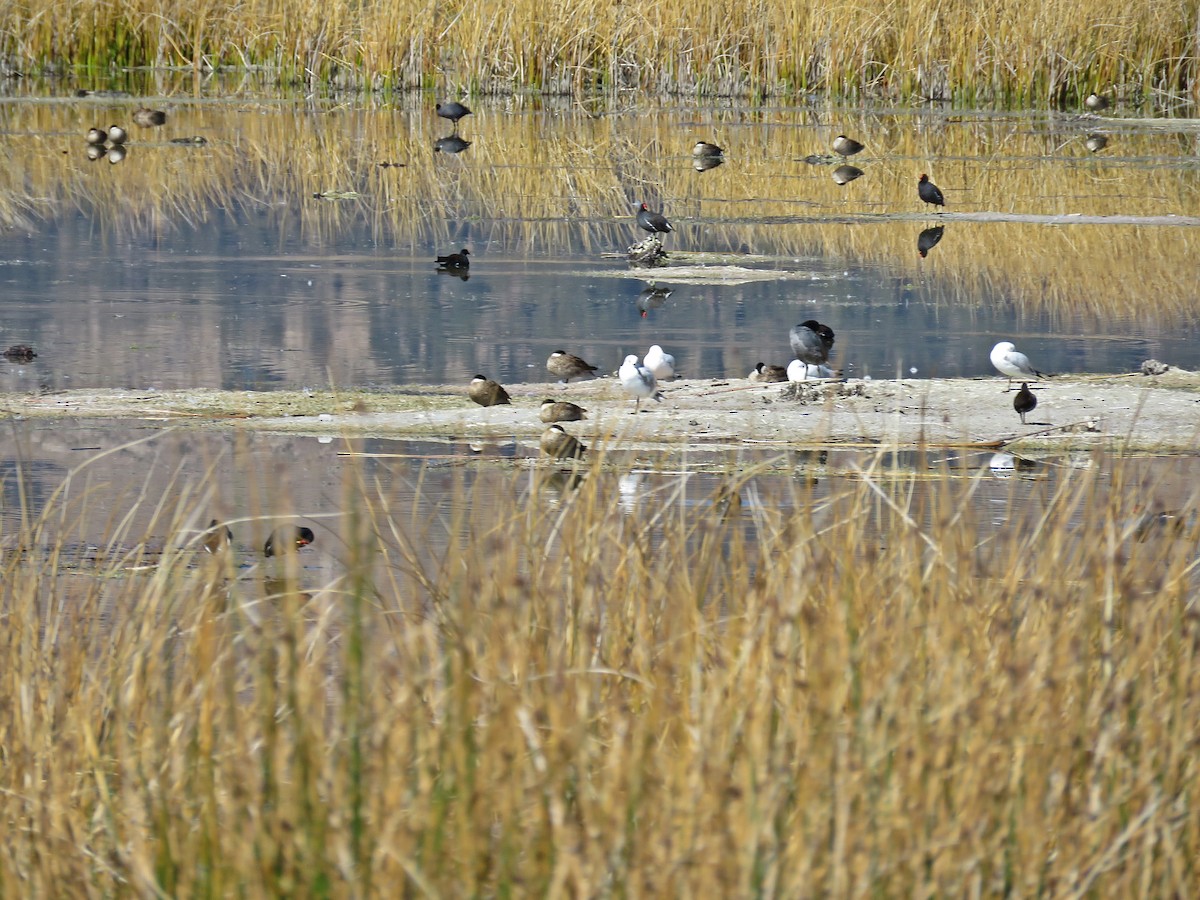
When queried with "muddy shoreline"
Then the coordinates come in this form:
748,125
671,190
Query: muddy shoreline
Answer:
1128,413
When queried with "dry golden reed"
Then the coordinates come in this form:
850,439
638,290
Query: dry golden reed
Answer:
1053,52
871,690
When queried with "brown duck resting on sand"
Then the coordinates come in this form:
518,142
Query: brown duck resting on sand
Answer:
486,392
565,366
763,372
561,411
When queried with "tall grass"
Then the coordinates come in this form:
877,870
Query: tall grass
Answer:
953,49
869,690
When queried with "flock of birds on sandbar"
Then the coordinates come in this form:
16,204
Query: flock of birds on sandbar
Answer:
811,341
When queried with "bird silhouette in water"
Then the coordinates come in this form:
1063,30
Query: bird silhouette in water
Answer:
928,239
286,539
1024,402
450,144
929,192
846,174
558,444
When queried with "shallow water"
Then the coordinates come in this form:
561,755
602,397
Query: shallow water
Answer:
215,266
112,496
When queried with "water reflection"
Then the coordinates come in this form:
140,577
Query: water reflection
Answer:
450,144
207,268
928,239
846,174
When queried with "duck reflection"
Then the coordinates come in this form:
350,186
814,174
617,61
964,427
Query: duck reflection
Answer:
1006,465
450,144
1096,142
704,163
652,297
928,239
846,174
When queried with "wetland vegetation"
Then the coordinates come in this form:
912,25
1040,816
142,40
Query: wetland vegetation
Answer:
854,687
1006,52
493,677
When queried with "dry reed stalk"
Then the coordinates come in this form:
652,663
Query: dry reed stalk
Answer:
868,689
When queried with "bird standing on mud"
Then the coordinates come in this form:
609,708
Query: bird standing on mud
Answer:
638,381
1024,402
660,363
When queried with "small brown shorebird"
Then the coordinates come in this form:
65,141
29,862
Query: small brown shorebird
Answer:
1024,402
558,444
561,411
567,366
486,392
928,191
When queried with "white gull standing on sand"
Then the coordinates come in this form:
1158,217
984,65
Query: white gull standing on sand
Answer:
639,381
1009,362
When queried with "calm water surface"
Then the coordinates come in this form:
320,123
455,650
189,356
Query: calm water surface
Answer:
136,277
